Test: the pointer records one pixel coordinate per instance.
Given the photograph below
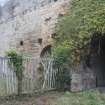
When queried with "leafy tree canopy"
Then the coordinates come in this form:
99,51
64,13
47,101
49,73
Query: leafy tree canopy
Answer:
83,19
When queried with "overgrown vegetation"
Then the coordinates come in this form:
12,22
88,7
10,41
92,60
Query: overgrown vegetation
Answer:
82,98
84,19
62,63
15,62
56,98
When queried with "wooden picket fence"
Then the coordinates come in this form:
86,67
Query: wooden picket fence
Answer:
30,83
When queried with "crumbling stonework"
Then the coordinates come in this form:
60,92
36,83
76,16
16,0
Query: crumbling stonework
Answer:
83,81
27,27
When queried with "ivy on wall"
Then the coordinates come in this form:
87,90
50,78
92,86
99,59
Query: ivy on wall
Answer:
75,30
15,61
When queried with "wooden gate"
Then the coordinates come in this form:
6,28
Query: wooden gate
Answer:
9,82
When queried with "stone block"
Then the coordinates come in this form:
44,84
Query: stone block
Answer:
76,82
88,81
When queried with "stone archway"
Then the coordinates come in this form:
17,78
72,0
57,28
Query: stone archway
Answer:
46,52
97,59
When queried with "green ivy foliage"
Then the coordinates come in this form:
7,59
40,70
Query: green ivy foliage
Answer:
83,19
15,61
62,63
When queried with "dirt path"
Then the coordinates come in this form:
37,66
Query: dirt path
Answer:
91,97
45,99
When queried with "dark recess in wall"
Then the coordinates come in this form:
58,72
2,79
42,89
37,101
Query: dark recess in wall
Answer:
96,60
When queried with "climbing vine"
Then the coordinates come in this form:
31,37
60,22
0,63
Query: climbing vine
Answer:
15,61
84,19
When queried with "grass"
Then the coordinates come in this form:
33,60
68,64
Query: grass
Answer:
6,86
91,97
2,87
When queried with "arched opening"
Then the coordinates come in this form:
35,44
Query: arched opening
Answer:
46,52
43,66
97,58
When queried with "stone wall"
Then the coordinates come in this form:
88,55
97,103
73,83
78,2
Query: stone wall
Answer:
28,28
23,31
83,78
83,81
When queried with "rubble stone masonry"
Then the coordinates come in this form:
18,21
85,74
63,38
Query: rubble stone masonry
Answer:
28,28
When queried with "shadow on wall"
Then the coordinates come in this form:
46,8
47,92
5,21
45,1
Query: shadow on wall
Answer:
46,52
96,60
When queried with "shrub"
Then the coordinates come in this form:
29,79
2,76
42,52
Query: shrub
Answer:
84,19
16,61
